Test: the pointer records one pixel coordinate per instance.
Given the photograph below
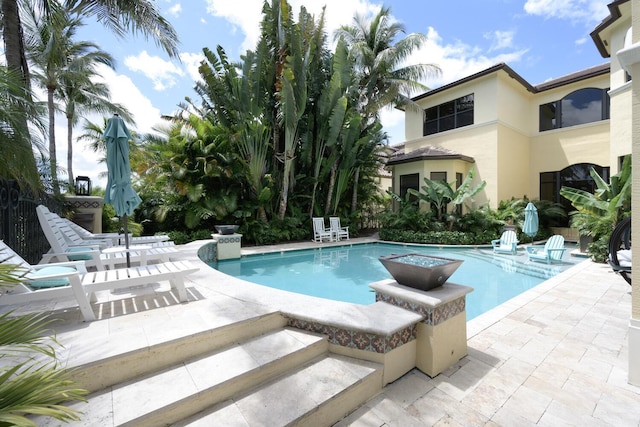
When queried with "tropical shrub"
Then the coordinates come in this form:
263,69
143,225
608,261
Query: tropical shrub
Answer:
597,214
440,194
29,386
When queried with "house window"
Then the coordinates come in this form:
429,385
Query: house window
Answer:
408,181
450,115
574,176
438,176
579,107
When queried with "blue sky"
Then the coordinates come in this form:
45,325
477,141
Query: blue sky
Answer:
539,39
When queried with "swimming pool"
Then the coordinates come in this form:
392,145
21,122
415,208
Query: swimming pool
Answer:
343,273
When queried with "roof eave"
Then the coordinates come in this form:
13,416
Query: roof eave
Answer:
485,72
422,158
614,14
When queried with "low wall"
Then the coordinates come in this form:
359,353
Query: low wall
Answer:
88,211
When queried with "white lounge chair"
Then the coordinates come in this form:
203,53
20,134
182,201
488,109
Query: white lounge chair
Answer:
507,243
320,231
338,231
70,232
93,256
45,282
118,238
552,250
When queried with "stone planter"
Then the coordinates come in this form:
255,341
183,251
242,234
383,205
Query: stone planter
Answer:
420,271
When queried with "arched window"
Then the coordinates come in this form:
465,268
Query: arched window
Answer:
582,106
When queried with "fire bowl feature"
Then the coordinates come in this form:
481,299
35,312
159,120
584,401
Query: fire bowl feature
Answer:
419,271
227,229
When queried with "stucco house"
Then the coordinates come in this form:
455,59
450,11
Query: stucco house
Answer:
523,139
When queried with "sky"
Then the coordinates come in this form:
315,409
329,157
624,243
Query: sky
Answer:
539,39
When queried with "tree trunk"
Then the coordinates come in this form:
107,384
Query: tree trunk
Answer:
53,160
285,193
13,40
17,63
70,154
262,214
354,198
332,183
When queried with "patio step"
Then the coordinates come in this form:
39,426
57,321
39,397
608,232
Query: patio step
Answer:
320,393
134,360
263,369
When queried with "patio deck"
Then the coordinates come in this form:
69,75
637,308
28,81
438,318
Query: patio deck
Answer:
555,355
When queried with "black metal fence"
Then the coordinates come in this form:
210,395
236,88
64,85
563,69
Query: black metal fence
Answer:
19,225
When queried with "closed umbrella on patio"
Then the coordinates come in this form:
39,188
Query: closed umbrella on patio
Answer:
530,227
119,191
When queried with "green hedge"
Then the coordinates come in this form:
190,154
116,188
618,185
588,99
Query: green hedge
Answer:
437,237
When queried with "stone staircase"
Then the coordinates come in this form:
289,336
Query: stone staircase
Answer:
256,372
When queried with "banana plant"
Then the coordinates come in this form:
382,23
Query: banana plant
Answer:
439,194
598,213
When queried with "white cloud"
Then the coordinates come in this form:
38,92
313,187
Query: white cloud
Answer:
124,91
175,9
457,59
191,62
582,41
245,19
162,73
586,11
500,39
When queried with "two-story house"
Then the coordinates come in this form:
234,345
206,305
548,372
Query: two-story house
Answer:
523,139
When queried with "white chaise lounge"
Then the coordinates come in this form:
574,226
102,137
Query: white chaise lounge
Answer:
118,238
45,282
62,250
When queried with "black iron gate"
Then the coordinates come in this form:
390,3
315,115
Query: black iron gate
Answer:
19,225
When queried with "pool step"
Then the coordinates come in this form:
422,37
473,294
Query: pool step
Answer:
518,264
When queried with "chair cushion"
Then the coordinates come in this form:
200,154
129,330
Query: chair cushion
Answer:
50,283
624,257
79,257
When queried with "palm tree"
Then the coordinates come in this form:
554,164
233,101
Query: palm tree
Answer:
382,80
80,95
17,111
58,58
121,16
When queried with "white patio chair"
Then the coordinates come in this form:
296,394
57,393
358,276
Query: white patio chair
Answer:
339,231
320,231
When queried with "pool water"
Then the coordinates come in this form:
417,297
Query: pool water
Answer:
344,273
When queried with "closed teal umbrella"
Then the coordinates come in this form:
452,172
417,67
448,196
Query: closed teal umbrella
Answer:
530,227
119,191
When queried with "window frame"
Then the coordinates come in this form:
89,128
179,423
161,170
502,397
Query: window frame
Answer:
553,121
449,115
